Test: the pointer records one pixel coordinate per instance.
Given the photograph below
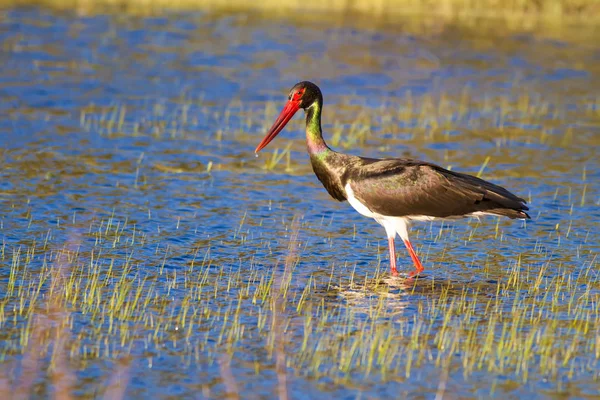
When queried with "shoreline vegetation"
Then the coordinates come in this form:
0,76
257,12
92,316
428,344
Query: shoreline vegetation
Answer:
517,12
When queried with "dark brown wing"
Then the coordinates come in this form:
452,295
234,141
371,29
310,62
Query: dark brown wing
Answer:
401,187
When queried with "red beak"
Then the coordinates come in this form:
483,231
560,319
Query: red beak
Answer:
284,117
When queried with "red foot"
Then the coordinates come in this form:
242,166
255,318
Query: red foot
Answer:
413,274
413,255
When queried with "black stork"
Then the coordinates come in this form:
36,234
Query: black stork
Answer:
393,191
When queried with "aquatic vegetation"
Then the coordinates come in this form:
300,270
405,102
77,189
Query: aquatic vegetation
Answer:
145,250
86,306
522,13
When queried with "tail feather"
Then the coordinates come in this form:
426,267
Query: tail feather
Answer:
496,199
509,212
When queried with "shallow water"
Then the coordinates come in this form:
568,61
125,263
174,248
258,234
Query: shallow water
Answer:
146,250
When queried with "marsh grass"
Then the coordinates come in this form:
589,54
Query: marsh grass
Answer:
419,121
264,296
521,13
82,305
45,338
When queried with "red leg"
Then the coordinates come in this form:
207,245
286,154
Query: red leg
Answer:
418,266
392,256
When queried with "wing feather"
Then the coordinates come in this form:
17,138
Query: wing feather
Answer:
402,187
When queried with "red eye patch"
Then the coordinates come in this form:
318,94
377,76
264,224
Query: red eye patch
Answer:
298,95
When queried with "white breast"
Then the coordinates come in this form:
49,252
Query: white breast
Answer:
392,225
356,204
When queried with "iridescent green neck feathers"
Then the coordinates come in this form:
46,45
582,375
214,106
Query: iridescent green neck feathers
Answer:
314,135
